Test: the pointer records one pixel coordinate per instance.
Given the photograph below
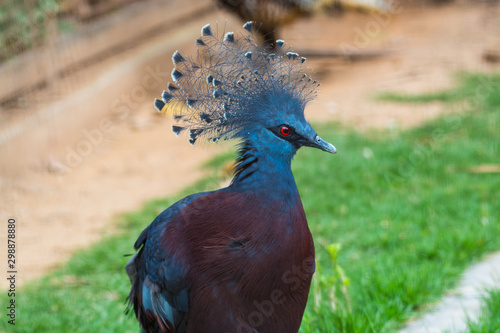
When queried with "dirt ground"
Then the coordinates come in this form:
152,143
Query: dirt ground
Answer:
59,211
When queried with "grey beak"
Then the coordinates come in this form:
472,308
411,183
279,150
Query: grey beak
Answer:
323,145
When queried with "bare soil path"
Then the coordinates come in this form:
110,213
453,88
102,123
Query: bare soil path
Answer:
59,211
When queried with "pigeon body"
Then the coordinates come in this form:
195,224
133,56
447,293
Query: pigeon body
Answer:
239,259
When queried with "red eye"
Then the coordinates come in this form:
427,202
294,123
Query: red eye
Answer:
285,130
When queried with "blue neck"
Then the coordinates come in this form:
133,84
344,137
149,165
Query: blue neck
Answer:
266,172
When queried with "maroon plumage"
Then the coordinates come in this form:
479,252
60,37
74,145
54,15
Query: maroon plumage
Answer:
258,272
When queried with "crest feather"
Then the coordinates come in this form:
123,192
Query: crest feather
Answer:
226,86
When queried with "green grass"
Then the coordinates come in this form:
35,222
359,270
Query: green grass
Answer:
489,321
405,208
472,87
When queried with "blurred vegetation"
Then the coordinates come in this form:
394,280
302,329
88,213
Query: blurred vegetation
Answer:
397,217
23,24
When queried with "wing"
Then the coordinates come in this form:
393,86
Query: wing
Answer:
159,293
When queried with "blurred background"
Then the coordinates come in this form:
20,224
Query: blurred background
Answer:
80,140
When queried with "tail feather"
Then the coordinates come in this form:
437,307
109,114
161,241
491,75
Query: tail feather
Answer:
151,307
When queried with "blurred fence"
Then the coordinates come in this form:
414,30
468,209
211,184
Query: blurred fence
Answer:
28,23
35,51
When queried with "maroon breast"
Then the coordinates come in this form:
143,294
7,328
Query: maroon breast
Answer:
251,262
